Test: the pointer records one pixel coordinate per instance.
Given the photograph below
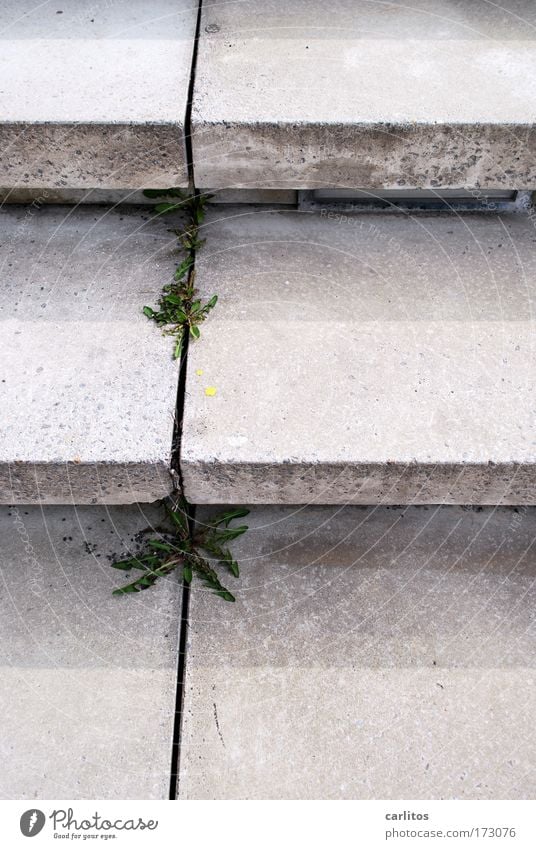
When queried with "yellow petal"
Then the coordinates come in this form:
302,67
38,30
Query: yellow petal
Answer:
199,371
210,391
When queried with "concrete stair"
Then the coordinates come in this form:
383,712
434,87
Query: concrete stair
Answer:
94,95
361,359
364,359
432,93
88,386
353,359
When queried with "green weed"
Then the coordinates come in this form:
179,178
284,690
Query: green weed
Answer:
180,311
173,546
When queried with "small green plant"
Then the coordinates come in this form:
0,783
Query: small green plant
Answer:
180,311
173,545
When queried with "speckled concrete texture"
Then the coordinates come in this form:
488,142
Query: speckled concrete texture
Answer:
87,686
364,359
102,101
372,653
88,385
361,94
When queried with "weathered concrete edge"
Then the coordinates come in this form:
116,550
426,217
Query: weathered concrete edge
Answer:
85,483
376,155
359,483
90,155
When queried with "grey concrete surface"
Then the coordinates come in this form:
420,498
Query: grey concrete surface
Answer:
102,101
364,359
353,93
87,385
371,653
87,688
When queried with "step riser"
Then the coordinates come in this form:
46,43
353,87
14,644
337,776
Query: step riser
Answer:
82,483
84,157
394,484
382,157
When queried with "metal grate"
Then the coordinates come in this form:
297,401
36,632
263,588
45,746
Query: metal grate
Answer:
458,200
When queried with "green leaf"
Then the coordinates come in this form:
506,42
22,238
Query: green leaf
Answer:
166,208
154,193
230,533
225,594
187,574
130,588
212,303
179,518
231,564
149,312
194,331
161,546
123,565
146,581
178,347
229,515
183,268
126,565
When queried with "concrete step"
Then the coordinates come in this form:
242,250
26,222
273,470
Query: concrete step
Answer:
402,640
88,386
364,359
94,95
432,93
88,679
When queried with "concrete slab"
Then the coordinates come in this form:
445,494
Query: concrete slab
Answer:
102,103
364,359
87,690
372,653
88,386
355,93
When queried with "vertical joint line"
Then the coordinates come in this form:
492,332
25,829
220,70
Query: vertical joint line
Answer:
191,86
176,451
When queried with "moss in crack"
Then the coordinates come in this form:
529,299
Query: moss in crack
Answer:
180,310
174,546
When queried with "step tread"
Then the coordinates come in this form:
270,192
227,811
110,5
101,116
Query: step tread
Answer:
402,640
364,94
102,101
88,679
88,385
363,359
